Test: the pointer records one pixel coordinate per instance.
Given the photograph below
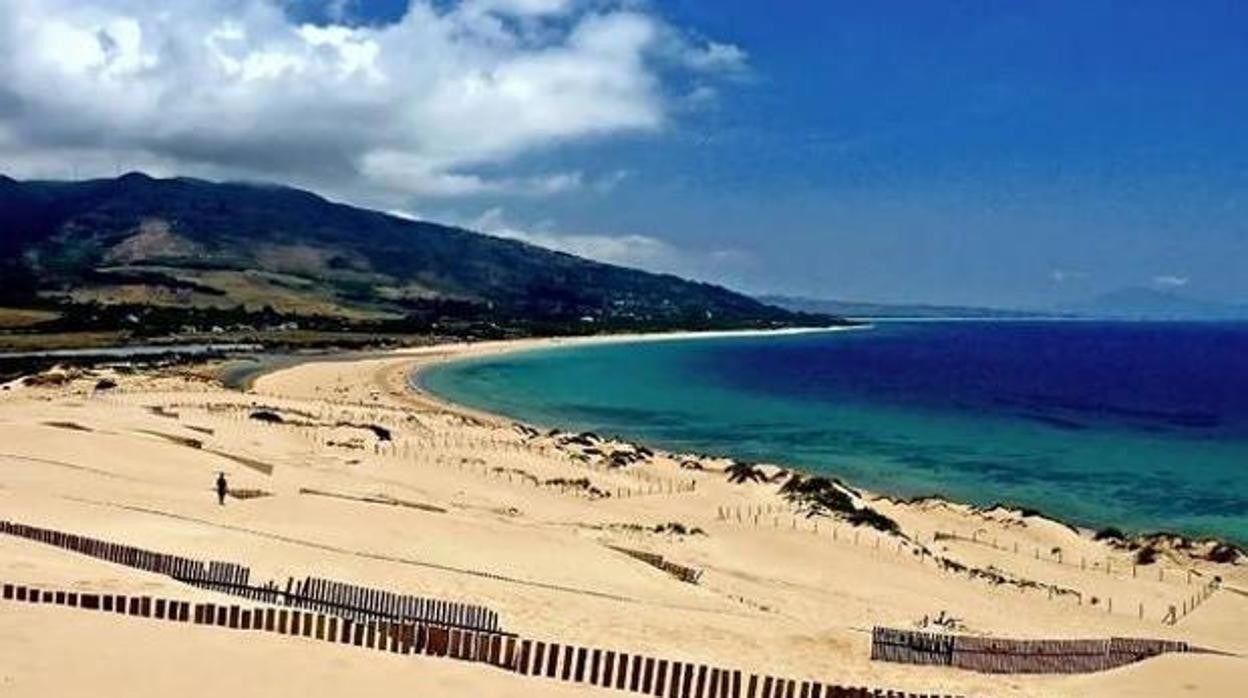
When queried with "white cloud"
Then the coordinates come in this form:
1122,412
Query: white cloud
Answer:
400,171
701,95
630,250
518,8
422,106
405,214
1170,281
714,57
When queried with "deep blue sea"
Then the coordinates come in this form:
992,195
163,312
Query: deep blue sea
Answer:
1139,425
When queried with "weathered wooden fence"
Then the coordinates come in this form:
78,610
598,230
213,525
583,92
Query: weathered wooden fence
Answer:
422,638
360,604
668,678
609,669
363,603
681,572
1005,656
379,620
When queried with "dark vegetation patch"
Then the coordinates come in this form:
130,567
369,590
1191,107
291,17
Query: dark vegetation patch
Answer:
526,431
1224,553
679,529
267,417
821,496
1111,534
585,438
622,458
581,484
742,472
673,528
382,433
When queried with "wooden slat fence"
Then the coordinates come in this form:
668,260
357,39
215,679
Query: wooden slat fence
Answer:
340,613
1006,656
905,647
681,572
360,604
363,604
609,669
408,638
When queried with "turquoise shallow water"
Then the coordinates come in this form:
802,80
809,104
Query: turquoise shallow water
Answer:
1139,426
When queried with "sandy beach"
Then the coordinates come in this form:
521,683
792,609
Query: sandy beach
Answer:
352,475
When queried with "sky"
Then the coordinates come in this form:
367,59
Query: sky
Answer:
1020,154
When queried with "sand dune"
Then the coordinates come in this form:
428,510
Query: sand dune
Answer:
464,506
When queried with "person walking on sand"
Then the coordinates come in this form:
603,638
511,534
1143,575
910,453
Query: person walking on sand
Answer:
222,488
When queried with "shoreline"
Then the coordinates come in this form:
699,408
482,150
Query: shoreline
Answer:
338,468
504,347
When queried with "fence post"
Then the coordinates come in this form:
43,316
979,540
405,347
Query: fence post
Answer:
538,667
552,660
526,648
579,674
660,680
621,673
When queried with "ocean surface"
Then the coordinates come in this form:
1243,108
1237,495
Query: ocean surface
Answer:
1138,425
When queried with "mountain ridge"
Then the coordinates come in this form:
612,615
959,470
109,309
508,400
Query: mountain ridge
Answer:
184,242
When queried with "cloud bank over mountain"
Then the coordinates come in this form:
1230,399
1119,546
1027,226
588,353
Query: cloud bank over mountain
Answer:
435,104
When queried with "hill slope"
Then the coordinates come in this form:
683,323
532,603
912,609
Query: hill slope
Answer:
191,244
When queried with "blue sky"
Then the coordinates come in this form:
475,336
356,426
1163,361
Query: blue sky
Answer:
1023,153
954,152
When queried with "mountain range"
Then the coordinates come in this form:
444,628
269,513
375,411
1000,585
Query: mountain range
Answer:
193,245
1143,303
865,309
1136,303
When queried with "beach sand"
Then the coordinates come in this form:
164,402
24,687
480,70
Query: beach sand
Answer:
135,465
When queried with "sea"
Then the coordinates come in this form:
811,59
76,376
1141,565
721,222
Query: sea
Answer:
1142,426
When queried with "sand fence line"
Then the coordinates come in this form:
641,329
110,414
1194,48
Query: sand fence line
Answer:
1171,616
393,636
1007,656
608,669
378,620
781,517
434,448
1054,556
349,601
